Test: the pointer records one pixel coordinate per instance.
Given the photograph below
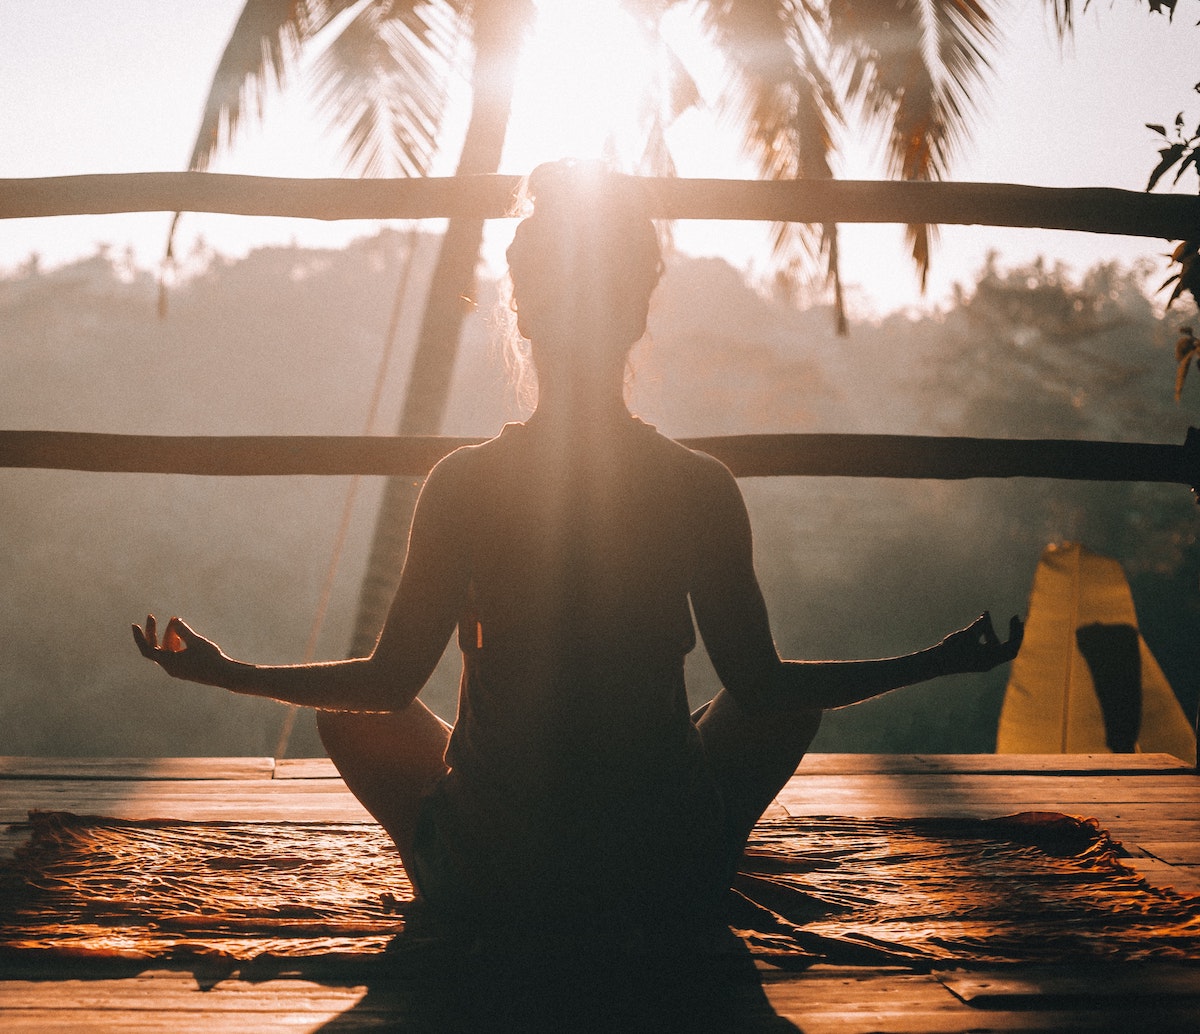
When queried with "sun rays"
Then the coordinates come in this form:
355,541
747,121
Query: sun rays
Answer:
597,82
588,75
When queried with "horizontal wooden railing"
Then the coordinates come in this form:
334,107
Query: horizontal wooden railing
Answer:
1087,209
749,455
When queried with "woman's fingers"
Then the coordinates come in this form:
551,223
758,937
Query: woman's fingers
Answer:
978,648
176,638
173,637
1007,650
143,640
181,653
181,636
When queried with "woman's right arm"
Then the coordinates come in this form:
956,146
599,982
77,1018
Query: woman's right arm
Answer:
356,684
422,617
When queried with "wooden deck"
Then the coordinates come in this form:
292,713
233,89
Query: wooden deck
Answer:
1151,803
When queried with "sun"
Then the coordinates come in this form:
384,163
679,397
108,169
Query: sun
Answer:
589,79
588,73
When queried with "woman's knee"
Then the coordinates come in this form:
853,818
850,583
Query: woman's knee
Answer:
343,733
414,734
726,724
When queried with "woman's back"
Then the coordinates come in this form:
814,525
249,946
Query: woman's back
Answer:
573,727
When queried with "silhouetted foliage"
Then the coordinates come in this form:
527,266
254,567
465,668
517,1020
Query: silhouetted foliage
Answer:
1181,153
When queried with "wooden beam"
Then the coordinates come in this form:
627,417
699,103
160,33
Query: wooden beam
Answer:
1089,209
327,199
753,455
232,455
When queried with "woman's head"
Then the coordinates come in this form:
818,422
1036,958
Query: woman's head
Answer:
583,266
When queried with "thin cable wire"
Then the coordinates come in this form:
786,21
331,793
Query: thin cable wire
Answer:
460,37
339,543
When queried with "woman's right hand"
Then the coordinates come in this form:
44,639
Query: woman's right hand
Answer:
182,654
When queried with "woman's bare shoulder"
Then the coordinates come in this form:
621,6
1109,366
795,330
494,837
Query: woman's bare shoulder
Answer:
457,476
693,463
468,459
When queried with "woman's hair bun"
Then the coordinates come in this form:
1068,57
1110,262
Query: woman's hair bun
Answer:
588,226
571,186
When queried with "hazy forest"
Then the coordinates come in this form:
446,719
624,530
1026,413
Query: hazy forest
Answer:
287,341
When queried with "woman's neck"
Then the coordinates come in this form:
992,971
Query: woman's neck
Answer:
574,408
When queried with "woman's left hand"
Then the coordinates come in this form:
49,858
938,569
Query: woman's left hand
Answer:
977,647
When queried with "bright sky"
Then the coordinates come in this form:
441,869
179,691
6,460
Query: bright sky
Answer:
118,85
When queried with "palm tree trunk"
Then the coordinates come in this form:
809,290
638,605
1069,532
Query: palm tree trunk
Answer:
498,28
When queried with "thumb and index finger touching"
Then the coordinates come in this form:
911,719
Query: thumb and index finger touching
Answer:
1006,649
176,637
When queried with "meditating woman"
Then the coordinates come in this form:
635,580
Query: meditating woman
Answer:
572,552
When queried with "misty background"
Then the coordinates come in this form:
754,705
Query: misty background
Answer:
288,341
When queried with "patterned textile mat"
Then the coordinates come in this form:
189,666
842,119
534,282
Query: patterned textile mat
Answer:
922,894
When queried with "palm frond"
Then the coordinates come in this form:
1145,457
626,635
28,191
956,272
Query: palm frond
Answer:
672,93
656,158
264,44
679,88
265,41
1064,16
881,58
914,68
963,37
264,47
384,78
786,107
782,104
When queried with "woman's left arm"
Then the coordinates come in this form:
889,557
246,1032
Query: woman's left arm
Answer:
832,684
733,623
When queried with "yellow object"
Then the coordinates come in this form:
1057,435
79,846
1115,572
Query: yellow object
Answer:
1052,705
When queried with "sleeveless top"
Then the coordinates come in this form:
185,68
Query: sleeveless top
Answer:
577,778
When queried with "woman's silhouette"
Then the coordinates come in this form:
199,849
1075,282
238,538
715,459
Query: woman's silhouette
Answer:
572,552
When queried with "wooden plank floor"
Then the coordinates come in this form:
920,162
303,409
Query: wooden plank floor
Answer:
1149,802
